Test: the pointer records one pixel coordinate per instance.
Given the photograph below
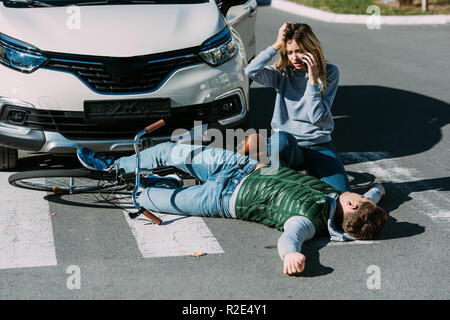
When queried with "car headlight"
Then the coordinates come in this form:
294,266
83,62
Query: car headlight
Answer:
19,55
219,48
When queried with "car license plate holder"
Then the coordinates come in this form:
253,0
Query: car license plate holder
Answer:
113,111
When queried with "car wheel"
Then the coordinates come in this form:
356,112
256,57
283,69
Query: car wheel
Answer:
8,158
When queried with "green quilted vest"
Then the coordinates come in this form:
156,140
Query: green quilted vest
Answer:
272,195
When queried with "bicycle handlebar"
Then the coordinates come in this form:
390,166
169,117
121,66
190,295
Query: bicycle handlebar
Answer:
155,126
152,217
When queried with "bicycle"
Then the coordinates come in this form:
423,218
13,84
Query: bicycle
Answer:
76,181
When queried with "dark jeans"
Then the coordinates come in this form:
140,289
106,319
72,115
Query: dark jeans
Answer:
321,161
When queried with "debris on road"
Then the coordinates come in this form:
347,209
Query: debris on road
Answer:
197,254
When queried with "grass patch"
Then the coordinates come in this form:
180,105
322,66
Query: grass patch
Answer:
360,6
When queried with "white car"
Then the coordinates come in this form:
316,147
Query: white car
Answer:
95,72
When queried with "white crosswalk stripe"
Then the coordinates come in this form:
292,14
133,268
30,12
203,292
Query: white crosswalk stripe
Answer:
26,233
177,236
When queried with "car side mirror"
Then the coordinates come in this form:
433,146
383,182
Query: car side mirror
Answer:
225,5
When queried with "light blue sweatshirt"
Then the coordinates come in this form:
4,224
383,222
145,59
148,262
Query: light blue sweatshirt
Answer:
301,109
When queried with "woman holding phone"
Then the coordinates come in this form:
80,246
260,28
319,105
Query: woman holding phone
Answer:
302,121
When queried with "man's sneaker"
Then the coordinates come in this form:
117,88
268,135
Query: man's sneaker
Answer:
170,181
95,161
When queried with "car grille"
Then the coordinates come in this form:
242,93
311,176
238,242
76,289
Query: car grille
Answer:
123,75
72,124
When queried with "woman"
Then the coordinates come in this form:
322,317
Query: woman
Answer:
302,121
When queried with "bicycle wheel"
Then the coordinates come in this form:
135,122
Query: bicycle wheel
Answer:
63,181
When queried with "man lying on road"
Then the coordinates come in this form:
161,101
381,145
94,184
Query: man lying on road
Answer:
237,186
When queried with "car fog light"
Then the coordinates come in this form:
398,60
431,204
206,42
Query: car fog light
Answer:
17,116
227,106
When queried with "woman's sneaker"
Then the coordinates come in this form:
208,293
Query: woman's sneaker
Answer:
95,161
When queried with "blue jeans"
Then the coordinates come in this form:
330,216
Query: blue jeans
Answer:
320,160
220,171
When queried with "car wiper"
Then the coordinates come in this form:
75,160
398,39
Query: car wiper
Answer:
32,3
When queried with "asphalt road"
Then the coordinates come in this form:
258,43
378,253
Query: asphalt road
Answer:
392,125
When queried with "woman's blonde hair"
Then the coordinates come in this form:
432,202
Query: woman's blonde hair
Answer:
307,40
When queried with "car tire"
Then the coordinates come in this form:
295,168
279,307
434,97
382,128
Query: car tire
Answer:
8,158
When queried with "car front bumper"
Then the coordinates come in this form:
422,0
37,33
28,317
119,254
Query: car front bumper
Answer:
45,134
51,94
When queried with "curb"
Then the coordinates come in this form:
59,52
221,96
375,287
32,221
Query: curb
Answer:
321,15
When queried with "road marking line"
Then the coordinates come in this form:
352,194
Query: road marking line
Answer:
26,232
178,235
351,243
386,168
325,241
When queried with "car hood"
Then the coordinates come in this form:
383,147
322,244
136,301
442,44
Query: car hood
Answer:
113,30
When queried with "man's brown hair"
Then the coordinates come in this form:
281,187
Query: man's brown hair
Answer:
366,222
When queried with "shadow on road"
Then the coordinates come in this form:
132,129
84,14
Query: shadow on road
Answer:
95,200
313,267
394,122
391,122
398,193
38,161
371,118
367,119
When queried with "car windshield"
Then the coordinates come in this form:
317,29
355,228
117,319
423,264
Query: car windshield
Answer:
59,3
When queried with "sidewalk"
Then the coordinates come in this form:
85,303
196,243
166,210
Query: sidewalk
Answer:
321,15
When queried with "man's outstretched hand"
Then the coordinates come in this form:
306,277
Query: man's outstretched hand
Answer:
293,263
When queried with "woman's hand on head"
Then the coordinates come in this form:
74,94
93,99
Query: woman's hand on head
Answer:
281,37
